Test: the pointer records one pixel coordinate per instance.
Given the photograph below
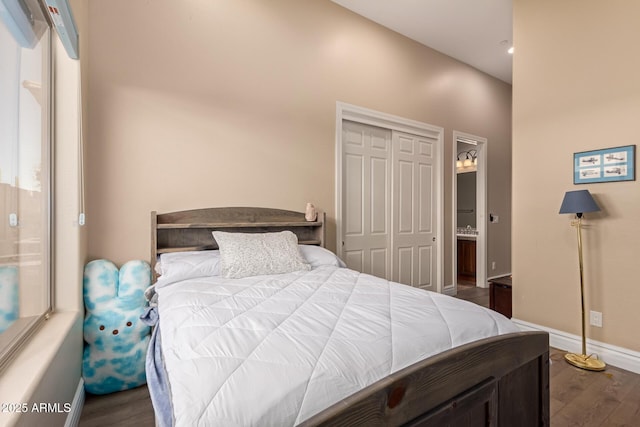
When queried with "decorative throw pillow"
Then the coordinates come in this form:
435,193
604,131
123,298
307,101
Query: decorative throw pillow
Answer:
254,254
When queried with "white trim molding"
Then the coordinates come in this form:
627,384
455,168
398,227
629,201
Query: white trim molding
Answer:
73,419
481,209
612,355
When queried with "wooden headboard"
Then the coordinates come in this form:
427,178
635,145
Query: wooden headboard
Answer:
191,230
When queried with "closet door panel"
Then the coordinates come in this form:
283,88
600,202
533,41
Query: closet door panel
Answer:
354,186
425,197
405,264
413,233
389,217
404,196
365,198
379,196
379,262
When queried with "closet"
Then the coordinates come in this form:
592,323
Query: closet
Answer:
390,203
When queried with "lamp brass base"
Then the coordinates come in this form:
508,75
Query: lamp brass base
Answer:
583,361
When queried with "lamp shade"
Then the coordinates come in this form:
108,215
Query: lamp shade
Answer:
578,202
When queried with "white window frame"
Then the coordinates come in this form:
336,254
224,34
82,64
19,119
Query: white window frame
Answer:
19,333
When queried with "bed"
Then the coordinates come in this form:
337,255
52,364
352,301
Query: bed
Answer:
323,344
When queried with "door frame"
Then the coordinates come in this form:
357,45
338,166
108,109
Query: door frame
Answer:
481,210
367,116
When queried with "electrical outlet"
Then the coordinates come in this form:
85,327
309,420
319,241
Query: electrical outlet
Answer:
493,265
595,318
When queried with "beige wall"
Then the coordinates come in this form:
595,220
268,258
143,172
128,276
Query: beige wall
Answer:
576,88
223,103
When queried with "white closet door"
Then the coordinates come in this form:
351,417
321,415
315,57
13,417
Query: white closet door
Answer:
414,231
366,201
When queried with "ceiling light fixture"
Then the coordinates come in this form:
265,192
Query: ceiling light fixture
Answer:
510,51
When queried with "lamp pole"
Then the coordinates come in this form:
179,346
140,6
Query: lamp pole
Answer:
578,202
579,230
583,360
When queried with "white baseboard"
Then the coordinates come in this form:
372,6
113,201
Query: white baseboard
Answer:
73,419
610,354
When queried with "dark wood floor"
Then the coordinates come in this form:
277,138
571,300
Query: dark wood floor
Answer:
474,294
578,398
131,408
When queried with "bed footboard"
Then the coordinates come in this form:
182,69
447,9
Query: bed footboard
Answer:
498,381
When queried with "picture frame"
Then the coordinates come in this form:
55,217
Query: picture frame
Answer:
605,165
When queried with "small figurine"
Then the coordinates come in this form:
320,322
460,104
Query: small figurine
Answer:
311,213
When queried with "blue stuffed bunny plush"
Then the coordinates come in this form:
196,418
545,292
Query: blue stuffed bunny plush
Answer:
116,340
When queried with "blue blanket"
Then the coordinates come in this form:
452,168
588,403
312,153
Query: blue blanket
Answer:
157,379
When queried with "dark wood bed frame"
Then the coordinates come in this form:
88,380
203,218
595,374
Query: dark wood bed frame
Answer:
498,381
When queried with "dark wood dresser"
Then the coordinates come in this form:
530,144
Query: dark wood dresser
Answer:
500,295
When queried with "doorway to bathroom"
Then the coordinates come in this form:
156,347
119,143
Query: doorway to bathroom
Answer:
469,198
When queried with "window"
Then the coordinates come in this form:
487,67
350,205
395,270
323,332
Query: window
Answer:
25,172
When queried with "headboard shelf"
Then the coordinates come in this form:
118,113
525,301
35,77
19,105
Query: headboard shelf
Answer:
186,248
191,230
220,225
311,242
211,247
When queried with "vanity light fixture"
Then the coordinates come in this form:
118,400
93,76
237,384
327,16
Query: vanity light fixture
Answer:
470,159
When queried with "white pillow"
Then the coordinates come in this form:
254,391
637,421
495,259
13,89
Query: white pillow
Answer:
254,254
175,266
317,256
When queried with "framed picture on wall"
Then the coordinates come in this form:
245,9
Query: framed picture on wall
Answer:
606,165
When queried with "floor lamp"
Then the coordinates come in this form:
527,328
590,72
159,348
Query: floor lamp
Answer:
579,202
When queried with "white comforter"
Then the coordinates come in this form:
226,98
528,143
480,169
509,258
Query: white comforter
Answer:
275,350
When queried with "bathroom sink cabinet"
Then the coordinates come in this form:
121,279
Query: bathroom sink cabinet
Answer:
467,259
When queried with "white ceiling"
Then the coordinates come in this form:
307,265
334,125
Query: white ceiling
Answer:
476,32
